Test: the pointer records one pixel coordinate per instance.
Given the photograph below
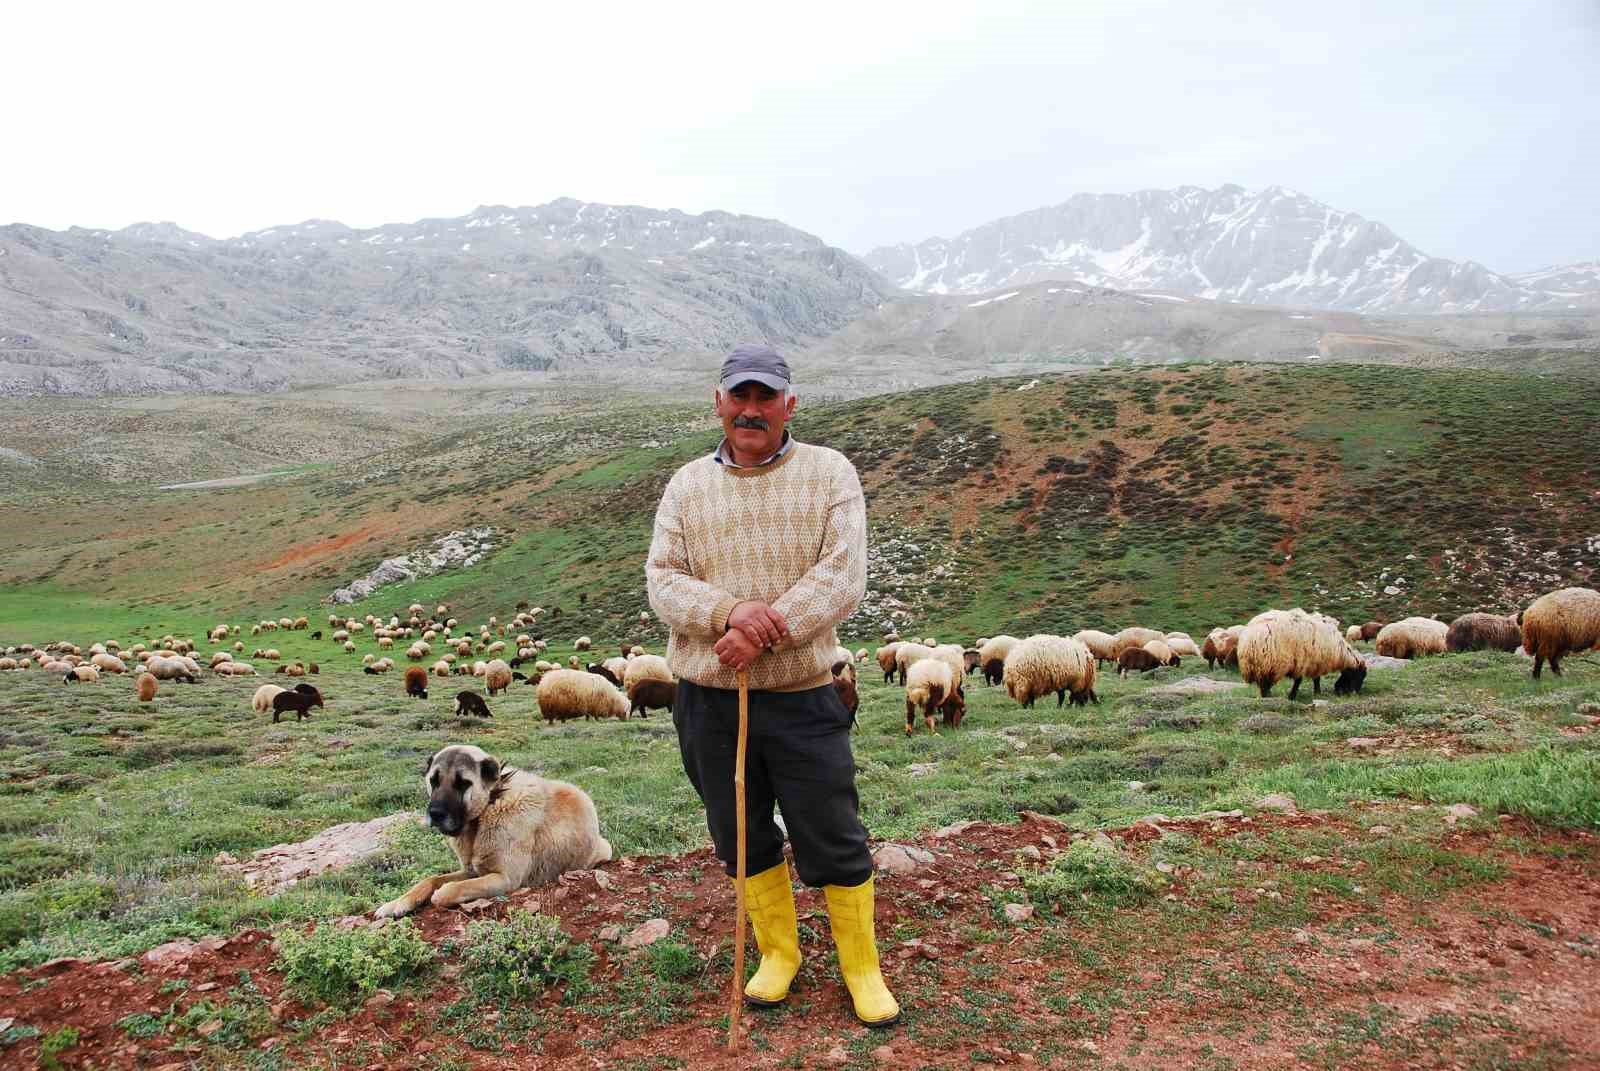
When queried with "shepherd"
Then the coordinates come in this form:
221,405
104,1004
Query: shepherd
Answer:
759,552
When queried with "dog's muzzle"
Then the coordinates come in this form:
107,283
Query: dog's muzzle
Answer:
440,818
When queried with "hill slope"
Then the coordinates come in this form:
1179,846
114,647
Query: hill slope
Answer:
1183,497
566,284
1265,247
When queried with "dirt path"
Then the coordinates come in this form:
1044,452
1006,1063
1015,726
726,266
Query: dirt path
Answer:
1505,973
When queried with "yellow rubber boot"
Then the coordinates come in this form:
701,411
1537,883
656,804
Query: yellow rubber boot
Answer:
769,898
850,914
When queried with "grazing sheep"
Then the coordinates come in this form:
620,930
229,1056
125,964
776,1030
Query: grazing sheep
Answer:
261,702
1222,645
1183,644
172,669
236,669
1370,630
219,657
582,643
970,659
643,668
600,669
416,682
8,663
1483,632
651,694
885,656
471,705
1293,645
88,674
1102,645
992,657
1135,637
954,656
146,687
295,670
1558,623
1136,660
1353,634
566,693
497,676
238,647
891,636
299,702
1044,663
1163,651
909,654
618,667
108,663
349,648
933,684
1412,637
440,668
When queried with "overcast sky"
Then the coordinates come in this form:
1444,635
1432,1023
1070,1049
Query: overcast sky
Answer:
1471,128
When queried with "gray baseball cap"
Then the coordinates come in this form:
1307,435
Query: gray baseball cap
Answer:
753,361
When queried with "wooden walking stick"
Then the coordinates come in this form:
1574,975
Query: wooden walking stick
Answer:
739,862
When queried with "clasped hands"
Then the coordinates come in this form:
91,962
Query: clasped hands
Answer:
753,626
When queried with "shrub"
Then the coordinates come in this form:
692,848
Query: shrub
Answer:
674,962
517,958
337,966
1091,871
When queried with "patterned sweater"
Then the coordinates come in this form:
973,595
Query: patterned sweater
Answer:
791,533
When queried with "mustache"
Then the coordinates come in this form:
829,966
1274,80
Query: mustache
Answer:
751,422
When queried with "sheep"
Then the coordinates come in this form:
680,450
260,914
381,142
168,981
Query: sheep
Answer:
440,668
496,647
261,702
1163,652
8,663
844,686
1222,645
970,659
1353,634
861,654
1558,623
349,647
297,701
416,682
651,694
236,669
172,669
635,651
643,668
618,667
1134,637
1046,663
107,663
909,654
886,660
219,657
85,673
146,687
1292,644
471,705
1370,630
582,643
891,636
295,670
1102,645
1136,660
600,669
1412,637
992,657
496,676
953,655
301,623
1483,632
565,693
1183,644
932,684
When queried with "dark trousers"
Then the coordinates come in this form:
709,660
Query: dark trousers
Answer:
799,758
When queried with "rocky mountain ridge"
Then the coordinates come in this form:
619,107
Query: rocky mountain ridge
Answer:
155,308
1266,247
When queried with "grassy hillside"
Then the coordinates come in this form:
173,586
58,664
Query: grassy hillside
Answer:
1182,497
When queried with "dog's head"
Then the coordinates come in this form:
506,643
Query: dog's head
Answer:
460,780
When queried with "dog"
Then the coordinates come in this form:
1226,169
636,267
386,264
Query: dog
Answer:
509,828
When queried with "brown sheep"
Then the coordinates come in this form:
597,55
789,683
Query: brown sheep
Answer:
1136,659
297,701
147,686
416,682
1558,623
1483,632
1370,630
651,694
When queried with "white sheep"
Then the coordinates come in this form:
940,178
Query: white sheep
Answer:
932,684
1292,645
567,693
1412,637
1046,663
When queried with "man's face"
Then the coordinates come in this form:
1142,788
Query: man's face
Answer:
753,416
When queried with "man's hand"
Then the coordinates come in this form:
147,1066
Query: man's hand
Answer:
760,623
736,650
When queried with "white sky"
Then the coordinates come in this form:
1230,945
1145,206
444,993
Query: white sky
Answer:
1471,128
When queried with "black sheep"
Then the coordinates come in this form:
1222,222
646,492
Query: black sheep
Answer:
651,694
471,704
299,702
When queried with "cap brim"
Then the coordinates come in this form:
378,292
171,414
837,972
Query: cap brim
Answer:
763,378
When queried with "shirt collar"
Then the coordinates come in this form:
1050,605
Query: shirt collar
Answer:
724,456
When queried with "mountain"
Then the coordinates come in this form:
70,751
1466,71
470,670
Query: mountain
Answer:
1268,247
1578,283
154,307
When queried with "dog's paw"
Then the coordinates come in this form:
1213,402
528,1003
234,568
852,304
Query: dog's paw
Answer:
392,910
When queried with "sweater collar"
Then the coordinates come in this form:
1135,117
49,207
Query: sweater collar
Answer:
723,455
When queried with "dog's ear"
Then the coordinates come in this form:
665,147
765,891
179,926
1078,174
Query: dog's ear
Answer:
427,763
490,770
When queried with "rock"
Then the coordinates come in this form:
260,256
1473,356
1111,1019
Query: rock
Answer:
613,933
1153,819
1046,819
224,859
1195,686
1361,944
1030,853
900,858
5,1024
602,879
1301,937
953,830
382,998
836,1057
1018,912
922,769
59,964
1378,661
1165,868
883,1054
1379,831
281,866
1277,801
647,933
1362,743
1103,842
1319,704
169,953
1457,811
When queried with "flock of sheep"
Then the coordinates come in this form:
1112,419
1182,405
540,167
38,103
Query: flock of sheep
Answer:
1273,646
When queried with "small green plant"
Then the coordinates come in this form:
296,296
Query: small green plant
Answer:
1090,871
674,962
55,1044
519,957
337,966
